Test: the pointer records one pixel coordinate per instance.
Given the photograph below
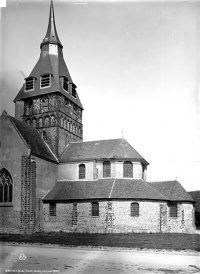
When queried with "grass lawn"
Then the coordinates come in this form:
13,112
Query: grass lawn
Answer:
132,240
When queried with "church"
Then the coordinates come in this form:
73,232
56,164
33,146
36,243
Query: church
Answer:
51,180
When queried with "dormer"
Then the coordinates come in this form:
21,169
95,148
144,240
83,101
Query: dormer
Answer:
29,84
65,84
74,90
45,80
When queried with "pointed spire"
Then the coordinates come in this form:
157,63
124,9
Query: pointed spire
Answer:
51,35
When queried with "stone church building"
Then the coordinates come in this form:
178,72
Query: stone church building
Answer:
50,180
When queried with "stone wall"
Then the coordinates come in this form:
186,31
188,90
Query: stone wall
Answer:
147,221
56,117
11,150
94,170
184,222
10,220
70,171
115,217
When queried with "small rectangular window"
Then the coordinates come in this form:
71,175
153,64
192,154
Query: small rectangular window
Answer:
45,81
52,209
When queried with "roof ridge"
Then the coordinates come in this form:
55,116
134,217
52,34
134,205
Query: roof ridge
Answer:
77,180
64,150
163,181
50,188
112,188
50,150
97,141
31,131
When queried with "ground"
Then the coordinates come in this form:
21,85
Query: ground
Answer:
170,241
26,258
134,253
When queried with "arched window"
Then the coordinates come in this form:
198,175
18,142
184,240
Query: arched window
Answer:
46,121
128,169
52,120
40,122
81,171
134,209
28,121
95,209
106,169
34,121
6,186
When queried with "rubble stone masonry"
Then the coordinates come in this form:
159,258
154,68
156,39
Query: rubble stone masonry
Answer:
115,217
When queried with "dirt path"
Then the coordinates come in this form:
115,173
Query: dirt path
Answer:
53,259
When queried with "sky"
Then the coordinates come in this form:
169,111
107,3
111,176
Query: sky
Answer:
136,67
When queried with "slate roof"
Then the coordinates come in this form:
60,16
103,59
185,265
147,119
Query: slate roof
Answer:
33,139
196,196
173,190
53,64
51,35
66,191
99,150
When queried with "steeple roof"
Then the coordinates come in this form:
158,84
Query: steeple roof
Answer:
51,35
51,62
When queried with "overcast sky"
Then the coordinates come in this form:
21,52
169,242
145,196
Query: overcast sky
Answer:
136,66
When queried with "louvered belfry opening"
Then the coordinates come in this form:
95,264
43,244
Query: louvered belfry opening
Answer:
45,80
29,84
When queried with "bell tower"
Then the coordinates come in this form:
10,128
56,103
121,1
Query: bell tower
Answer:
48,99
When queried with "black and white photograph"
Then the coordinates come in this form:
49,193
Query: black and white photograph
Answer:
100,136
